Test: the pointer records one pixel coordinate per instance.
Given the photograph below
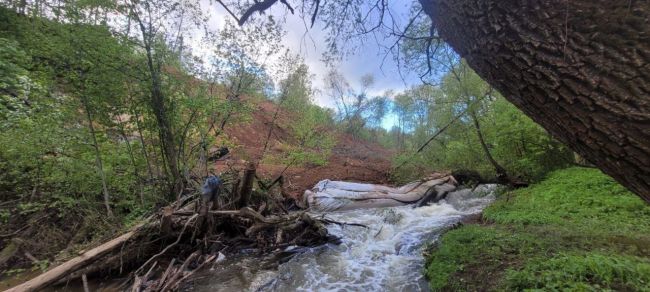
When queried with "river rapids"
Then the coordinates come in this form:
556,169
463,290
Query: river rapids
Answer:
386,256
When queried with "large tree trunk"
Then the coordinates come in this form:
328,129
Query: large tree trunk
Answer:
579,68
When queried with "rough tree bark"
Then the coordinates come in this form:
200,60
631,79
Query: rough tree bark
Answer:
579,68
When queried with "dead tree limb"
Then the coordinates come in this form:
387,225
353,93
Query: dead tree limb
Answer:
84,279
162,280
74,264
173,280
178,239
247,185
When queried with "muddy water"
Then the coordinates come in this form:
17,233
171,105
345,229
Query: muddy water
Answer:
386,256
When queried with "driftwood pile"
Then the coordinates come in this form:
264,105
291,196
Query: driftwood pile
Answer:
169,246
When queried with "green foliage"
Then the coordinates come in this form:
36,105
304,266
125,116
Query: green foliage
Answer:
41,265
315,140
456,256
310,124
591,271
4,216
58,78
47,149
296,89
576,230
464,100
521,145
11,272
15,84
241,53
584,198
28,208
358,113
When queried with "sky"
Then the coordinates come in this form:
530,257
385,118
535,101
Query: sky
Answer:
368,58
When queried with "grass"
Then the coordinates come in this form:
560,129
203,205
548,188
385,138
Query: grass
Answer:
578,230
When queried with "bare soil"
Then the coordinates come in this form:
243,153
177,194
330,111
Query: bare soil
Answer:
352,159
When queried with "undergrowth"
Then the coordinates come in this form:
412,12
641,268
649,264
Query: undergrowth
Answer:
576,230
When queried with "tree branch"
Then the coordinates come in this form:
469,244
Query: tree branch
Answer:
229,11
258,7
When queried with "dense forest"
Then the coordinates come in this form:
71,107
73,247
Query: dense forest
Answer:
111,120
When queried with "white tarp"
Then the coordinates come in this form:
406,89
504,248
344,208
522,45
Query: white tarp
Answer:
329,195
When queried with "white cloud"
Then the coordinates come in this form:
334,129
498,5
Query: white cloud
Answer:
310,44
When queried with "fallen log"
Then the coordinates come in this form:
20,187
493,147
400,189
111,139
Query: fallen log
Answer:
435,194
74,264
165,275
203,264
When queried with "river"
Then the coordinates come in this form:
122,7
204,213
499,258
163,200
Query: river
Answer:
386,256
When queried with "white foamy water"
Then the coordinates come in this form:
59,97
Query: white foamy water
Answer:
386,256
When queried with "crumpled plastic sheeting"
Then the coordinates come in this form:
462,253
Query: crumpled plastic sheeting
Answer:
329,195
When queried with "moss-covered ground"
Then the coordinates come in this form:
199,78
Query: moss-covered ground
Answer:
577,230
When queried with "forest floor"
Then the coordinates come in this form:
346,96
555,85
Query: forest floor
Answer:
578,230
351,159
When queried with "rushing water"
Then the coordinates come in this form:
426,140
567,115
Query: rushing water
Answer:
386,256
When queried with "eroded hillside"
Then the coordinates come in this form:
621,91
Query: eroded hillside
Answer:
351,158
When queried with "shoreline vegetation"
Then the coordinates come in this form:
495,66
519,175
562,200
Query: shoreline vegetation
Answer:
111,119
576,230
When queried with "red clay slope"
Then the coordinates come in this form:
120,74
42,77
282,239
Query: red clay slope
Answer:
351,159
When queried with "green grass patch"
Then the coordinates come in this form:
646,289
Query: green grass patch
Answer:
576,230
591,271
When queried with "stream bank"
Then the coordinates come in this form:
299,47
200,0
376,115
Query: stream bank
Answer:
576,230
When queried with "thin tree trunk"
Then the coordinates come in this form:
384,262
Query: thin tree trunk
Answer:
37,180
270,132
157,102
98,158
84,280
579,68
502,175
203,155
181,152
136,172
142,142
164,127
